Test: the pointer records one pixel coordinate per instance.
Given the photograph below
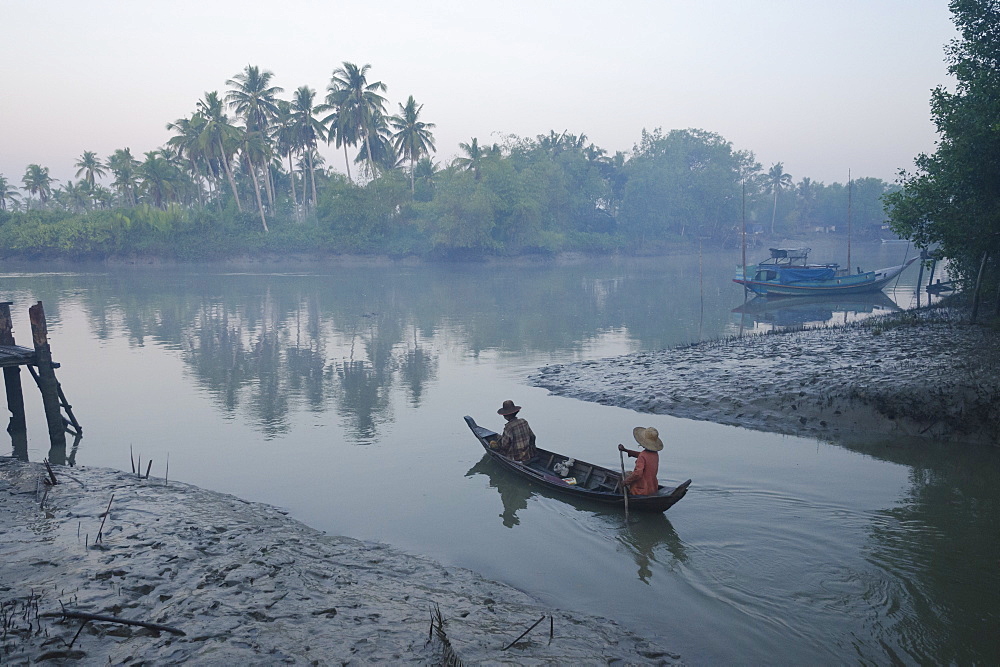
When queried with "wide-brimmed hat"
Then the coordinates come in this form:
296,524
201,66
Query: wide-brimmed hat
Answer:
509,408
648,438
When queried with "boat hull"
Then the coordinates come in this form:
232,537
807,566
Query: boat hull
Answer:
858,283
601,485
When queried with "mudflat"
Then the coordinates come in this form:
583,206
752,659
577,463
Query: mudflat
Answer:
926,373
246,584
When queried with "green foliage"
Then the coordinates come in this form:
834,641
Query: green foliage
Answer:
953,199
686,182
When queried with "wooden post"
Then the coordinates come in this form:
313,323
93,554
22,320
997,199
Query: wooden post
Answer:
920,280
12,376
975,292
47,382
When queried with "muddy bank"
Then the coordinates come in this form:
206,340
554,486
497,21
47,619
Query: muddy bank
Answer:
921,373
248,585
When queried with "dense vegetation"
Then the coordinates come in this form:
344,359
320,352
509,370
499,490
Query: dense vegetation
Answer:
253,183
954,197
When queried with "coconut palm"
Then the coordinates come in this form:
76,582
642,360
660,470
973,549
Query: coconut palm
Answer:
338,131
255,100
186,143
89,167
37,182
161,180
473,158
219,139
7,192
74,197
308,131
253,97
254,149
777,180
286,144
413,137
357,103
124,168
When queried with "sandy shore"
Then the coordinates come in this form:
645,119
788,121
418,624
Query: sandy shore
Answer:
248,585
920,373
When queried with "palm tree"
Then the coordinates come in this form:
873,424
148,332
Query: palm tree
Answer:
777,180
161,180
413,138
357,104
219,139
124,168
338,130
7,191
37,181
286,145
89,167
188,146
308,131
807,198
254,99
74,197
473,158
253,150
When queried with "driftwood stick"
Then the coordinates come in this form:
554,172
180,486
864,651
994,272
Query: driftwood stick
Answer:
52,475
167,473
533,625
106,513
149,467
131,456
112,619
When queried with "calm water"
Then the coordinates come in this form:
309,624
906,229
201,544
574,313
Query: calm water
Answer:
338,394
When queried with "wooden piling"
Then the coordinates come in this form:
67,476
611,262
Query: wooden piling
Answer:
12,376
48,385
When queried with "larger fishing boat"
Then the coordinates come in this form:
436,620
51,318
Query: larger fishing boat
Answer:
787,272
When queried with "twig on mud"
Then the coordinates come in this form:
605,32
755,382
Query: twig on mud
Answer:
106,513
533,625
52,475
85,616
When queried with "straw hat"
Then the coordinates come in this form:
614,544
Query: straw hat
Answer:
509,408
648,438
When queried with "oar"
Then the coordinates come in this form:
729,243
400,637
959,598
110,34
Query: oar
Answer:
621,455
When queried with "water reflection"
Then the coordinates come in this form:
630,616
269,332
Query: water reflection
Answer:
644,538
514,492
761,314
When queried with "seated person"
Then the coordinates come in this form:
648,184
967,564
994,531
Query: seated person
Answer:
642,480
517,441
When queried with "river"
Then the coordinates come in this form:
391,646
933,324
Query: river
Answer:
338,393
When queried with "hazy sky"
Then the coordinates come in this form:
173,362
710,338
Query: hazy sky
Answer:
821,86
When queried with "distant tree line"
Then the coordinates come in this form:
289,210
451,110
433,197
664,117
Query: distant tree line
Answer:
242,175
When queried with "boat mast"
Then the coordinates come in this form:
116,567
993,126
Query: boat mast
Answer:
744,230
849,188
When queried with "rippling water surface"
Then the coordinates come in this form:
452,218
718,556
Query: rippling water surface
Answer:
338,393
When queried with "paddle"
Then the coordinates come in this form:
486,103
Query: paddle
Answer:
621,455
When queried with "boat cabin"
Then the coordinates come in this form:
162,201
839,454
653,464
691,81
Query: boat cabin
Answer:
789,265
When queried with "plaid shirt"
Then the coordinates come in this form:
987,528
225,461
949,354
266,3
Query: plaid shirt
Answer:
517,441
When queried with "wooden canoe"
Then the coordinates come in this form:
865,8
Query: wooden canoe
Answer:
591,481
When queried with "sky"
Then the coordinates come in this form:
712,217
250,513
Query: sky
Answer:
823,87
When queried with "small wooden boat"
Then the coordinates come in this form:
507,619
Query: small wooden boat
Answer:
787,273
584,480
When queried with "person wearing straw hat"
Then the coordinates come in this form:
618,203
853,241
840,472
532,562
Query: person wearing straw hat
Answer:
642,480
517,441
